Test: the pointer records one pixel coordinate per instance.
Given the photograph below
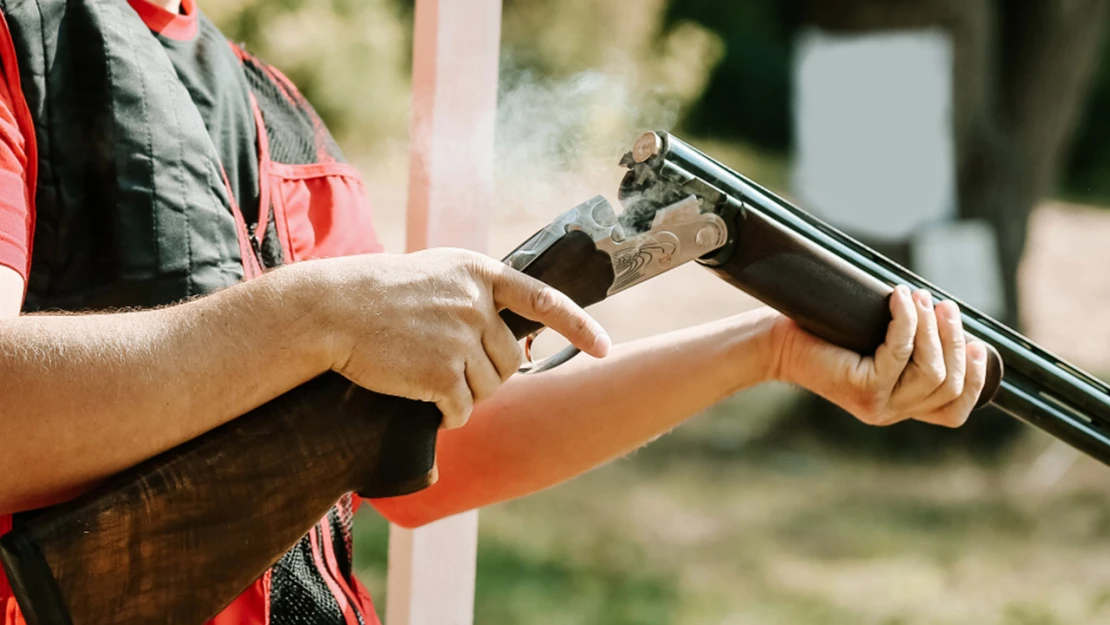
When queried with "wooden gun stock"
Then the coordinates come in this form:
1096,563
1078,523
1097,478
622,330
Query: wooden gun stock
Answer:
175,539
178,537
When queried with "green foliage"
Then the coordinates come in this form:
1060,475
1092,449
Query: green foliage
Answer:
748,96
351,58
517,586
519,582
1086,172
690,531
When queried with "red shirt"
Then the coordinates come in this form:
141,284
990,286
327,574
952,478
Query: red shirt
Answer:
320,210
17,181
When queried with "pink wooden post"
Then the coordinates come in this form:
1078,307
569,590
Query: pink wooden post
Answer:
454,101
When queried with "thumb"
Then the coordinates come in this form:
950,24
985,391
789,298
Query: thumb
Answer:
817,365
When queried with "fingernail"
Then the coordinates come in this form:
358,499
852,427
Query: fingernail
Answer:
903,290
924,299
602,344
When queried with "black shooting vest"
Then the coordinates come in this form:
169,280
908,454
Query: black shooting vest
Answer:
132,205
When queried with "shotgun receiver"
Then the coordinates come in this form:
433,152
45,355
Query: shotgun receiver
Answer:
152,545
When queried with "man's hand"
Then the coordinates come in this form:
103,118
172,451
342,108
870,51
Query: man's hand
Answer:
925,370
425,325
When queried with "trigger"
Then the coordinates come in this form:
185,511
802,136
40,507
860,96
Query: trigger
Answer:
546,364
528,340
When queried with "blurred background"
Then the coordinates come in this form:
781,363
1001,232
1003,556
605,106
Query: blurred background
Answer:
965,138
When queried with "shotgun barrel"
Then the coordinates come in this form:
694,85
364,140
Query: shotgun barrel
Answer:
837,287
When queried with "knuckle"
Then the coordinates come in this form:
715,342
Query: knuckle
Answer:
446,350
910,318
952,388
959,341
471,308
474,291
471,292
876,419
451,419
902,351
468,256
977,382
481,393
471,318
474,263
582,324
446,378
935,374
462,403
544,300
456,418
869,418
870,406
954,418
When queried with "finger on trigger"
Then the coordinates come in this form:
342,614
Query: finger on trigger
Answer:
893,355
534,300
503,349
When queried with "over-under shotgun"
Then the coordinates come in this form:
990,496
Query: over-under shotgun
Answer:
176,538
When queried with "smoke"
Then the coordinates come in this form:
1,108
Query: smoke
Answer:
559,141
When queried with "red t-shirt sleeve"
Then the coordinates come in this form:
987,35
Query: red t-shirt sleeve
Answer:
16,152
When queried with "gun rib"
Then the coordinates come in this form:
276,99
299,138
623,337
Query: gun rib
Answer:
1038,387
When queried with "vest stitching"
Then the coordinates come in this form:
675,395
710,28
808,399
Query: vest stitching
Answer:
143,105
184,197
265,210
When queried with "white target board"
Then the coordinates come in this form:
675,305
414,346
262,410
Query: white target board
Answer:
873,130
875,152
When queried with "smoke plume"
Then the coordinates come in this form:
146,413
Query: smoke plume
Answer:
559,141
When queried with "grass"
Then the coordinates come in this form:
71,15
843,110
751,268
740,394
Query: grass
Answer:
708,526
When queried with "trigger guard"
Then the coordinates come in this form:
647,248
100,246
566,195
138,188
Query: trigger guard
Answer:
549,363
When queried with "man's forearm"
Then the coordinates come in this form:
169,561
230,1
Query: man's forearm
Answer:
538,431
85,396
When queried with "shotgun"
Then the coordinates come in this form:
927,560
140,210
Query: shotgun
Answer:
178,537
165,542
837,288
